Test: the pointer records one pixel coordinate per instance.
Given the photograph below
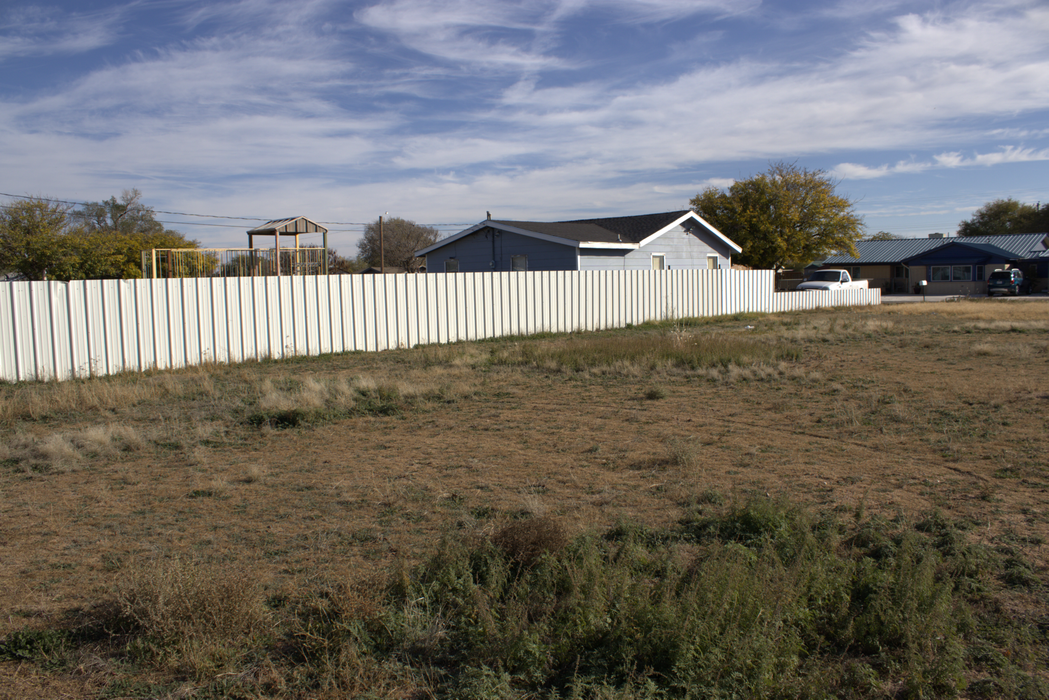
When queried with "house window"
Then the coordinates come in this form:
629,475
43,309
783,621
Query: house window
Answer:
901,271
659,261
979,273
854,273
712,262
940,273
451,265
962,273
519,263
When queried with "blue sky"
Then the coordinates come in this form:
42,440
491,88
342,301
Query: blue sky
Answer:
441,110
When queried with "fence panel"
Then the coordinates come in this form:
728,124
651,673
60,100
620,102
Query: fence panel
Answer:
59,330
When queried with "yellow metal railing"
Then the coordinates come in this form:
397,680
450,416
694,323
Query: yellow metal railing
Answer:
162,263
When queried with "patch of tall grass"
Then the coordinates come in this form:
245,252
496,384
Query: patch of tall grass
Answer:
33,401
192,617
298,401
68,450
635,352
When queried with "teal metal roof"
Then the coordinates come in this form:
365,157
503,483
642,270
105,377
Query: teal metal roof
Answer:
886,252
1019,245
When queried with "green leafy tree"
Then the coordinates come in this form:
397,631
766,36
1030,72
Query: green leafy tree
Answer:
1004,216
46,240
38,241
115,232
883,236
401,239
785,217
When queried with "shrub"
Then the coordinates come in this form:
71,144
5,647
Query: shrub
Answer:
47,647
524,541
196,616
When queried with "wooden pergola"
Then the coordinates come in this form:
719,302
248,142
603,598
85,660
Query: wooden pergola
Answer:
289,227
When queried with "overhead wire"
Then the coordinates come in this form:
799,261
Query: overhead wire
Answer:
360,227
261,219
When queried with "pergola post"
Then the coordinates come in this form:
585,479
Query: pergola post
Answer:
276,249
295,226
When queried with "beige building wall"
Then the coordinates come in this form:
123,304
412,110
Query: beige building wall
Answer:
877,276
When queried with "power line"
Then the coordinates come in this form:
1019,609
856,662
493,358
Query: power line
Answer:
362,224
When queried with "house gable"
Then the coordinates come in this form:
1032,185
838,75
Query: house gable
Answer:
963,253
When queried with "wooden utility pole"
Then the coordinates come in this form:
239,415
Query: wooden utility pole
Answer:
382,251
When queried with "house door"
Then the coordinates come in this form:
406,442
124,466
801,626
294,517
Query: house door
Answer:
901,282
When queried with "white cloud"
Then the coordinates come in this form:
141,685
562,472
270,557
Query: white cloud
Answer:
947,160
859,9
509,35
465,32
42,31
332,111
664,10
912,86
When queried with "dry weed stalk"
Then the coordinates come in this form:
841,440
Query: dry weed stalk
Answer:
207,614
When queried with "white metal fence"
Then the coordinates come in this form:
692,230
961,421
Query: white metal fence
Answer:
60,330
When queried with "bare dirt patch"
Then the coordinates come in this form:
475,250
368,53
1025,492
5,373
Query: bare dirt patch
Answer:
903,411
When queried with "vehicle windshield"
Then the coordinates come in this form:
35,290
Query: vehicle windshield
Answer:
1001,275
825,276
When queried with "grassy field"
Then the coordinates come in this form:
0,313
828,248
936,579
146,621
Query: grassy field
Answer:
842,503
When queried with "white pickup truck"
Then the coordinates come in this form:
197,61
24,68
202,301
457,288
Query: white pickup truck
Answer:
831,281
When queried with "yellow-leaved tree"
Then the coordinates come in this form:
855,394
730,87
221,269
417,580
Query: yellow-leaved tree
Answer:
786,217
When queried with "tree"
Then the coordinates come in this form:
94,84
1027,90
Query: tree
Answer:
883,236
38,241
45,240
116,232
1003,216
338,265
787,216
401,238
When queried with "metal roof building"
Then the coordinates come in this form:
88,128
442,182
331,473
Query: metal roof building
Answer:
958,264
893,252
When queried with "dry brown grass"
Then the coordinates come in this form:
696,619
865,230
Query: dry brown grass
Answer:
203,617
524,541
895,410
1014,311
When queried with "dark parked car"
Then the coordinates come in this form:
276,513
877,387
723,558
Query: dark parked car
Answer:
1007,282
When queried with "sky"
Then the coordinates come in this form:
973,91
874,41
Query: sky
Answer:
228,113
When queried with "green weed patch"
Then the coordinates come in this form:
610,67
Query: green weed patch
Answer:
762,601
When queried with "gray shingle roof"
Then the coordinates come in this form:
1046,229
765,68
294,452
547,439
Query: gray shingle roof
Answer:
618,229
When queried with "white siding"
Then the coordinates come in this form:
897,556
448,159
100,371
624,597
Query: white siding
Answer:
681,251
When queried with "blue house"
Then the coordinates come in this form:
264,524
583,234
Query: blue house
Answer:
671,240
957,265
962,266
